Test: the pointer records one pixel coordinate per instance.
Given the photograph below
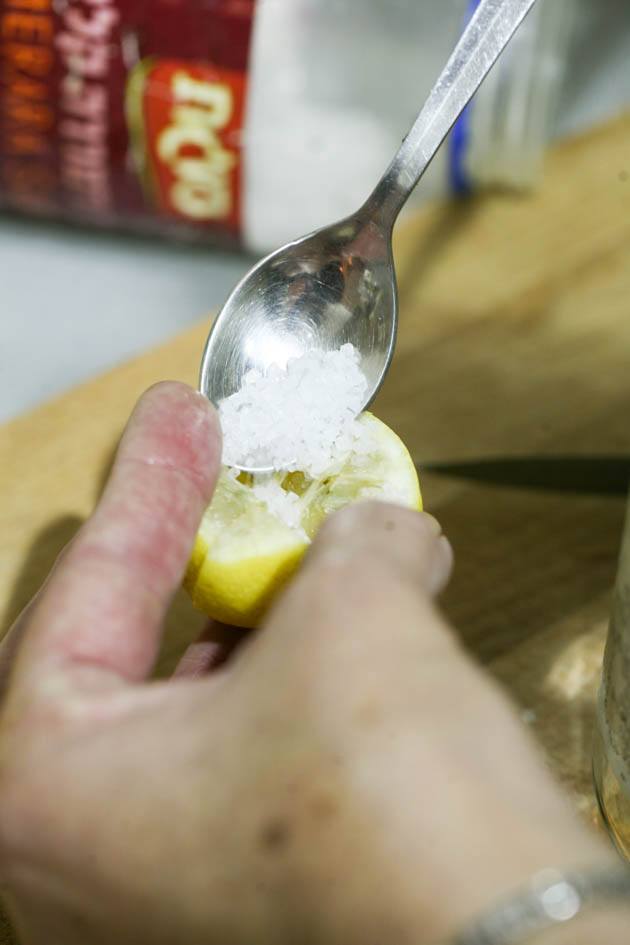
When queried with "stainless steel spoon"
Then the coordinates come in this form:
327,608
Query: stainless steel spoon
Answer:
338,285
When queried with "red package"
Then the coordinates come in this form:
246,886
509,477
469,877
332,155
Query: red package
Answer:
125,112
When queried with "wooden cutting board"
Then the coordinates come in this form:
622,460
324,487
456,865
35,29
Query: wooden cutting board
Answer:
514,342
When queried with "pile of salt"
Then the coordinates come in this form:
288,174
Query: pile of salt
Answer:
302,418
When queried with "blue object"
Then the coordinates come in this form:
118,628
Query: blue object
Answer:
460,182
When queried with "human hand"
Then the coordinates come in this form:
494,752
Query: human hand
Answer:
348,776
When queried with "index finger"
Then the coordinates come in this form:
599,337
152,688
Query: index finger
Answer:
98,620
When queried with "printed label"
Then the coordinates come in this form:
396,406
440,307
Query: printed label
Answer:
186,129
125,111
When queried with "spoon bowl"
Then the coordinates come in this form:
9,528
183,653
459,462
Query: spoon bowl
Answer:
333,287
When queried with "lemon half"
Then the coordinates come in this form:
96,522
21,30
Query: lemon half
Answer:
244,554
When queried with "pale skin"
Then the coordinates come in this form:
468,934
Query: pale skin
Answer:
348,776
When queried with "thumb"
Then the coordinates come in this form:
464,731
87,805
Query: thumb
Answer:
366,586
409,543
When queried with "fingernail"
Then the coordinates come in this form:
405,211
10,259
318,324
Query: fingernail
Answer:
441,566
432,524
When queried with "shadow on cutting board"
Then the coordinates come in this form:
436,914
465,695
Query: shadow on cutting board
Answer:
44,551
38,562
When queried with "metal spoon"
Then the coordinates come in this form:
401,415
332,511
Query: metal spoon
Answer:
338,285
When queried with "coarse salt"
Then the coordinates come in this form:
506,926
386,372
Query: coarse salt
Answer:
283,504
302,418
299,419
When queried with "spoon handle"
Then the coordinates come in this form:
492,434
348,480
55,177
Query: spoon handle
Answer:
486,36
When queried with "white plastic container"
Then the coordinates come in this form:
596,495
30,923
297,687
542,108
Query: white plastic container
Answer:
336,84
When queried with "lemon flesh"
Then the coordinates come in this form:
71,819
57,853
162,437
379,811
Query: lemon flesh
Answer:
244,554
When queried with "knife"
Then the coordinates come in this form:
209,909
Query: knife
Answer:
586,475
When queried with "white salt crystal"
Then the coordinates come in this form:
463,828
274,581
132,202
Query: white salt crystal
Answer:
284,505
302,418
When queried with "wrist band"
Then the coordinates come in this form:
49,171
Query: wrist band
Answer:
552,898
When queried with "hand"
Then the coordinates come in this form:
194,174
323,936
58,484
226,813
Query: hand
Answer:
347,776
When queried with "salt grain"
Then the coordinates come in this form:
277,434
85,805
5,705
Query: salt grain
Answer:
284,505
302,418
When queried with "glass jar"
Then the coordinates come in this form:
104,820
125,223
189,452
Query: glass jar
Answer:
612,742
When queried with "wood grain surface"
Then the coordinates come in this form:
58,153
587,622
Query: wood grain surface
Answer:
514,342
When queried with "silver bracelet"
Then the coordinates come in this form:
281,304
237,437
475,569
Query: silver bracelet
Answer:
551,899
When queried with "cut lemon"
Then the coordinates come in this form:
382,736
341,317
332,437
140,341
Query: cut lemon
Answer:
245,552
